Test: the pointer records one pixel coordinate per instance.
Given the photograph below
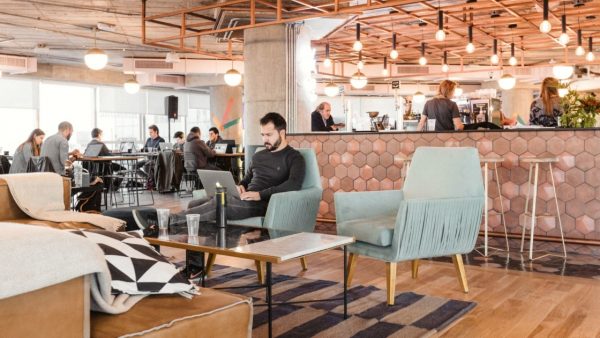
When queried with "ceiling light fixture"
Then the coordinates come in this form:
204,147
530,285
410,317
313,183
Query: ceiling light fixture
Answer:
422,59
394,52
564,37
545,25
440,35
327,61
580,51
357,46
131,86
494,58
590,55
385,71
562,72
513,60
360,65
507,82
470,46
95,58
445,67
358,80
418,97
331,89
232,77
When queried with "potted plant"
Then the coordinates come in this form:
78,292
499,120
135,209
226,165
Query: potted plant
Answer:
579,111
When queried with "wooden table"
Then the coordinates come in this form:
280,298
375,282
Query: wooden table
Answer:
268,246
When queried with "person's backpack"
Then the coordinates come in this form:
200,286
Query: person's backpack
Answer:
89,201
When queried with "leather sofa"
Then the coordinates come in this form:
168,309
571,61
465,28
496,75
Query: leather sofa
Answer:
62,309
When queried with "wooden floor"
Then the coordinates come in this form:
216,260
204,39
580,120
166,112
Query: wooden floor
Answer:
510,303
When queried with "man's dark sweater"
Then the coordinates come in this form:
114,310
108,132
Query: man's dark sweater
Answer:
273,172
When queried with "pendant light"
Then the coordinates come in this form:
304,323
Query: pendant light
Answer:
331,89
507,82
95,58
131,86
422,59
545,26
494,59
513,60
564,37
357,46
470,46
327,61
358,80
440,35
360,65
562,72
418,97
394,52
385,71
580,51
445,67
590,55
232,77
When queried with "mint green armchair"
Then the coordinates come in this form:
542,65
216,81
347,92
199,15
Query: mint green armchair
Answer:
436,214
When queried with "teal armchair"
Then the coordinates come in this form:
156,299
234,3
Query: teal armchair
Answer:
436,214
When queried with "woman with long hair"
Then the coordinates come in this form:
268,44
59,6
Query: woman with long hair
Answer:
442,109
31,147
546,110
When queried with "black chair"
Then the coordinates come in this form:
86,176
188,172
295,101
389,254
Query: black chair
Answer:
4,165
40,164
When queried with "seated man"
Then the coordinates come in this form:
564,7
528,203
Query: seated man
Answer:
97,139
278,168
213,137
196,153
56,148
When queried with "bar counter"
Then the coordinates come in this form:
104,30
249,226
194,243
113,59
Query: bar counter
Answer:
364,161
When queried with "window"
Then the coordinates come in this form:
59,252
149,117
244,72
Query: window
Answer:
199,118
73,103
22,122
119,126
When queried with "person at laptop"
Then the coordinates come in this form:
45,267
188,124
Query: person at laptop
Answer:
179,141
278,168
153,142
56,148
321,119
26,150
97,142
213,137
196,153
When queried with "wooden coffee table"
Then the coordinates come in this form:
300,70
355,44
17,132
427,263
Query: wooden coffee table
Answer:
261,245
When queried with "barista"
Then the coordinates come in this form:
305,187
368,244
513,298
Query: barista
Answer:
442,109
321,119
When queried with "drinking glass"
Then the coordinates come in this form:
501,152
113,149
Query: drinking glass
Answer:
163,223
193,224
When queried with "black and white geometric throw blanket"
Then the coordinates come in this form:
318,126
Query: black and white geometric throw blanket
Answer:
135,270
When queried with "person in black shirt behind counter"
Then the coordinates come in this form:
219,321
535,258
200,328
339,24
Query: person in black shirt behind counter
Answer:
321,119
278,168
441,109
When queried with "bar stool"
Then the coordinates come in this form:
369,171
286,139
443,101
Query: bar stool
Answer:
486,161
534,168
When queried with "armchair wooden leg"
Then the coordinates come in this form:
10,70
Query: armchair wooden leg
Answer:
210,261
260,271
460,270
304,263
390,270
415,268
351,265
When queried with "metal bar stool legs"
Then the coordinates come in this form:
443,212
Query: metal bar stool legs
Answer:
534,169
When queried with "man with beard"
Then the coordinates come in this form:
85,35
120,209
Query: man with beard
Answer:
278,168
56,148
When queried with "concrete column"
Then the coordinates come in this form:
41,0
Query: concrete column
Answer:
265,51
226,111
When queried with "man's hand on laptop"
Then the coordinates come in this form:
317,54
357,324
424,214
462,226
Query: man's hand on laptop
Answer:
250,196
241,189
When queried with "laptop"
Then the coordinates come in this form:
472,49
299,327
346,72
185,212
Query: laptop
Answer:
93,150
221,148
165,146
125,146
209,179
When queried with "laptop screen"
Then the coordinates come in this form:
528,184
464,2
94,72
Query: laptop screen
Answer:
93,150
221,148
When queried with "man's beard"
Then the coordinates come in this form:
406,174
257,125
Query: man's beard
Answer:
69,136
273,147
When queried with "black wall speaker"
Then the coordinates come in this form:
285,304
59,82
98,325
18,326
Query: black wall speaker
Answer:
172,106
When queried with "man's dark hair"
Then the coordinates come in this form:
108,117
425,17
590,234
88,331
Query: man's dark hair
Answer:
195,130
179,134
96,132
214,130
153,127
277,120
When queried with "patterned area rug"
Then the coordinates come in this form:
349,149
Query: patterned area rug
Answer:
413,315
